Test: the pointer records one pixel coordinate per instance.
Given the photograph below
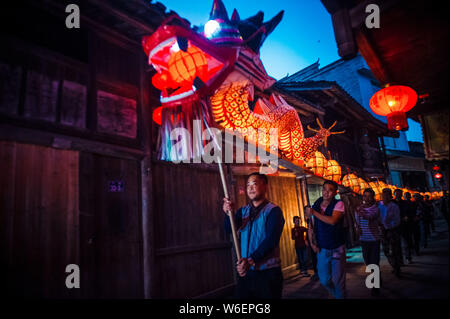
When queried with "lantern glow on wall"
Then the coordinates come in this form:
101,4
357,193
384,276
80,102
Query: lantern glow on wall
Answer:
393,102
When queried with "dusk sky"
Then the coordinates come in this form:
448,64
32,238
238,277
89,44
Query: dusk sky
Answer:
304,35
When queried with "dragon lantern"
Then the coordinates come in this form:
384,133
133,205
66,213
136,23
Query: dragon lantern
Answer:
211,73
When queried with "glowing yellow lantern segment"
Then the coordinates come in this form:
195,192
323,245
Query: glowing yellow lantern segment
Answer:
333,171
318,164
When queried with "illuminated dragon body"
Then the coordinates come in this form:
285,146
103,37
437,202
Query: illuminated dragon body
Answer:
214,73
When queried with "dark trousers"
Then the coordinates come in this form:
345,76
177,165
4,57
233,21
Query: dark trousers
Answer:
260,284
313,259
302,258
392,248
407,238
416,236
371,252
425,226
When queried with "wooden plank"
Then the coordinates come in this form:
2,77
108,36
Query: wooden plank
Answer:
41,229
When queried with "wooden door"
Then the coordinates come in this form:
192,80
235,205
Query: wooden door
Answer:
110,240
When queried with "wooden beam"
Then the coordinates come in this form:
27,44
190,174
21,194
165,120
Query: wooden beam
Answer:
367,50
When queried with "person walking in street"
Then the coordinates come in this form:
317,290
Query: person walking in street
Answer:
368,219
428,216
405,232
327,213
412,224
298,235
417,221
390,217
423,216
260,225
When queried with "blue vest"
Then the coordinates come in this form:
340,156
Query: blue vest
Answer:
328,236
252,234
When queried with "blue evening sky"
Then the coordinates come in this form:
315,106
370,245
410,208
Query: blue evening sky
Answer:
304,35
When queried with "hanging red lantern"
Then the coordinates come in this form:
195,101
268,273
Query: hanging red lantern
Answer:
393,102
438,175
436,168
157,115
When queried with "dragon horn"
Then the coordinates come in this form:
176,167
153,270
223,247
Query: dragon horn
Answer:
312,129
318,122
335,122
334,133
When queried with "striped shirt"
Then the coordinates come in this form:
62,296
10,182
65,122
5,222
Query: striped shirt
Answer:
369,221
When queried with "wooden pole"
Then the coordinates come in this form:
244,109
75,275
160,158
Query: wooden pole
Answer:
230,214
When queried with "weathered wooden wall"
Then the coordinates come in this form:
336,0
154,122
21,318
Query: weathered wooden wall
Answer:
56,209
282,192
39,222
192,252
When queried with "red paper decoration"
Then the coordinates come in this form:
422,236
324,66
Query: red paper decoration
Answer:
393,102
157,115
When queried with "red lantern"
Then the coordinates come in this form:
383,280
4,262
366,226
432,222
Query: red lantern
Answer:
185,66
393,102
436,168
157,115
438,175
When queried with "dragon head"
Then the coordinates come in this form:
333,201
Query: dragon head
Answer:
192,63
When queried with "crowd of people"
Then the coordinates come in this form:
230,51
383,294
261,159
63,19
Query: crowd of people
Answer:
398,224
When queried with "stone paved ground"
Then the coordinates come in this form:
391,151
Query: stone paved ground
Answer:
425,278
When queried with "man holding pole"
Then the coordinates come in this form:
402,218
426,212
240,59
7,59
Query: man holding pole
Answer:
260,225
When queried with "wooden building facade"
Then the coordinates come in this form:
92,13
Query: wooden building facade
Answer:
79,179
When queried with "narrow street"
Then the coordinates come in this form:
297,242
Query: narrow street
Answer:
425,278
